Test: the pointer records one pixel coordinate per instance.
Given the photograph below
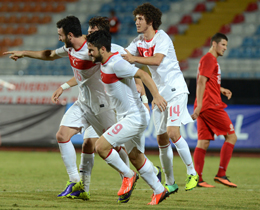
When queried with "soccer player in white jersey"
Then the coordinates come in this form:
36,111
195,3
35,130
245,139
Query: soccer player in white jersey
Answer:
155,49
90,136
91,108
118,78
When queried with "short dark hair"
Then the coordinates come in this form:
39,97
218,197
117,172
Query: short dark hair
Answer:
102,23
150,13
70,24
218,37
100,38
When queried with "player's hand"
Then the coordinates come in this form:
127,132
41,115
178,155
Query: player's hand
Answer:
160,102
128,56
15,55
226,92
139,88
55,96
196,113
147,106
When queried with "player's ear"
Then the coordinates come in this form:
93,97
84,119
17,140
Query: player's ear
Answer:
70,35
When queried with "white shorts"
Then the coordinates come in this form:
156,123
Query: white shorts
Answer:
175,114
90,133
79,118
129,131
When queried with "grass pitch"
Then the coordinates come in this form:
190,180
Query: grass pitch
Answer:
32,180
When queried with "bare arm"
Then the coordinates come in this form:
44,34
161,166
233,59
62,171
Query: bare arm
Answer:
147,80
154,60
226,92
201,85
72,82
55,96
143,93
41,55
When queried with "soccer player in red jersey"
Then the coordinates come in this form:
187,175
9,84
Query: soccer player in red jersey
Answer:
210,114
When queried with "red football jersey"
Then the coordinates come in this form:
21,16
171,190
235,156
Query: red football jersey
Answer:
209,67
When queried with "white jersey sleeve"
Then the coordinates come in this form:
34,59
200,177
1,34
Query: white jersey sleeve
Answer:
161,45
132,48
124,69
62,51
117,48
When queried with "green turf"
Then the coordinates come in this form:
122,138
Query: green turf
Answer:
32,180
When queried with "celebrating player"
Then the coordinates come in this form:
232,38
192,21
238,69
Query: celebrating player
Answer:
210,114
91,108
154,48
133,118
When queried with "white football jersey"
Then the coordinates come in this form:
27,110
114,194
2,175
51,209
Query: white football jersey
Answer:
118,78
167,76
87,74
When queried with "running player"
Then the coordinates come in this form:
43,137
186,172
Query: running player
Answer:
91,108
133,118
210,114
90,136
154,48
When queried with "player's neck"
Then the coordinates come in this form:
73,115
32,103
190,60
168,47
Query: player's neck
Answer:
106,56
78,42
213,52
149,33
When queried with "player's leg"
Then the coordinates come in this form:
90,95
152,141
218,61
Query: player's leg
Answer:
178,114
225,156
184,152
68,155
112,158
71,124
199,160
145,169
205,135
86,164
218,121
165,148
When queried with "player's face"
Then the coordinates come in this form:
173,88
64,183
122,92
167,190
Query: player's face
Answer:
221,47
94,53
141,24
91,30
64,38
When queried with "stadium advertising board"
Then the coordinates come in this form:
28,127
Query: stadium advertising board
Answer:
246,121
34,90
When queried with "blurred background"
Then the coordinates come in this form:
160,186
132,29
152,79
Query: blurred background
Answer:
27,117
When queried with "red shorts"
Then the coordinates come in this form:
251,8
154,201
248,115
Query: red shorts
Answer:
213,121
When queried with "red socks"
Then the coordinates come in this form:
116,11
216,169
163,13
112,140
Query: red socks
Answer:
225,156
198,158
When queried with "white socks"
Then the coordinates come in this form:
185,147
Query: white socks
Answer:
68,155
85,168
184,152
147,173
124,156
114,160
166,158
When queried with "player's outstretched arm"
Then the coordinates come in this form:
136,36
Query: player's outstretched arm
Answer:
148,81
154,60
42,55
226,92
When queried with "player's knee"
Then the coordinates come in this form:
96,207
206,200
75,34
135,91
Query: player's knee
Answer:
232,139
60,137
203,144
163,139
174,136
